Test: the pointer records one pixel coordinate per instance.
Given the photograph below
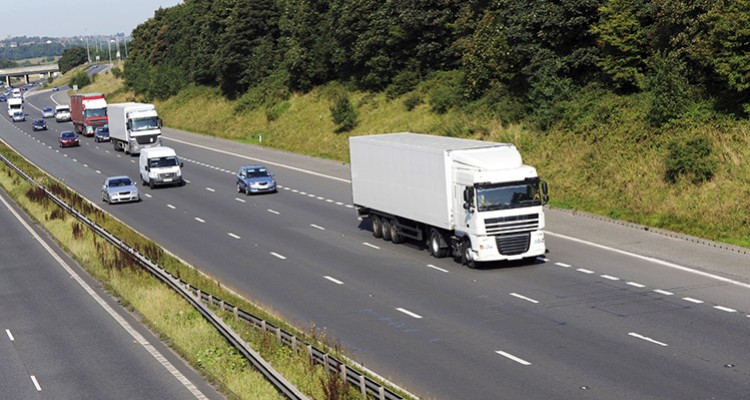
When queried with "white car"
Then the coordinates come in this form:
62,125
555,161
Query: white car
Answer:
19,116
62,113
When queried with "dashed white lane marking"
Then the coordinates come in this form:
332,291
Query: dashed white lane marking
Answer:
409,313
98,172
36,384
210,189
585,271
171,206
559,264
664,292
125,325
727,309
512,357
648,339
522,297
610,277
148,195
240,200
233,235
371,245
273,211
201,220
692,300
318,227
277,255
437,268
10,335
636,284
186,181
334,280
653,260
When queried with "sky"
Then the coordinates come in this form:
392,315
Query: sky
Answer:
65,18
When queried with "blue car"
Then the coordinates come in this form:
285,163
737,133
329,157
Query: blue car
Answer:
101,134
3,98
255,179
39,125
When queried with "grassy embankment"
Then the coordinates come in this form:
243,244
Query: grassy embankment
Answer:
602,158
183,328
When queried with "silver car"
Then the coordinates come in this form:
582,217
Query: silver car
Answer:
119,189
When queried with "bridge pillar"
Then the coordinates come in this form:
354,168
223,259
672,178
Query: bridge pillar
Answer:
26,77
7,80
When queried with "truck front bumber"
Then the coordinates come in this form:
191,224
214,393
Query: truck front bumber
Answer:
486,248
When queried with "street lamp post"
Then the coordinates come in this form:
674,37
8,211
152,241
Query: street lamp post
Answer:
109,49
88,53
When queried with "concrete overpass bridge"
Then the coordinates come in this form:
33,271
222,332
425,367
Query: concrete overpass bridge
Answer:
25,72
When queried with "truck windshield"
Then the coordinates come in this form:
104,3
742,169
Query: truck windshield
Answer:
142,124
96,112
509,195
170,161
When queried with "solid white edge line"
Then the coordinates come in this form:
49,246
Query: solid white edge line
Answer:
727,309
648,339
653,260
125,324
437,268
262,161
277,255
334,280
512,357
36,384
522,297
10,335
409,313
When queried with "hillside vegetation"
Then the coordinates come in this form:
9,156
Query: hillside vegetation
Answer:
632,109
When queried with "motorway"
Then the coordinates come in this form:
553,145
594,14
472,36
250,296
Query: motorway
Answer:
62,338
613,311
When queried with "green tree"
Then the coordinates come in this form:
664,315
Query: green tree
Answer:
343,114
72,58
669,88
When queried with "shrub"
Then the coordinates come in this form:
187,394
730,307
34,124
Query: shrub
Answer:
669,89
81,79
344,115
117,72
402,83
413,100
446,91
272,90
692,159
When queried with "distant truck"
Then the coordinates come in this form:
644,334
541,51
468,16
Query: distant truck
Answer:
471,199
88,112
14,104
133,127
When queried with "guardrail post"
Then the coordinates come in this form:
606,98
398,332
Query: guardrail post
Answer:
325,362
343,372
363,386
221,305
310,353
278,335
381,392
236,312
263,324
294,344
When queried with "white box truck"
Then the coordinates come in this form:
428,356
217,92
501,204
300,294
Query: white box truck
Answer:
133,126
160,166
14,104
471,199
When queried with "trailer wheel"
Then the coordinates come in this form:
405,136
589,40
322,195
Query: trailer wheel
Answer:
396,237
433,243
467,258
377,228
386,229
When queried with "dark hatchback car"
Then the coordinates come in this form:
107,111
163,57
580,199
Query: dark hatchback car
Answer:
101,134
39,125
69,138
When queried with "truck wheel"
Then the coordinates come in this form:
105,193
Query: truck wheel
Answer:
114,144
467,258
150,183
433,243
386,229
396,237
376,224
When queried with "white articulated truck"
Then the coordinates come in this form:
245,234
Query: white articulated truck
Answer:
471,199
133,126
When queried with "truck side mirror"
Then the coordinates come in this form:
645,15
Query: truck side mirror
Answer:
147,168
127,125
545,197
468,198
160,122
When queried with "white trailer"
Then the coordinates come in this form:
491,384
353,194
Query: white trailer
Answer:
133,126
472,199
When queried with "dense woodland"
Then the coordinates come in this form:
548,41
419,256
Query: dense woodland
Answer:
518,58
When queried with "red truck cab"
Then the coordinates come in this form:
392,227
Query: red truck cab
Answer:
88,112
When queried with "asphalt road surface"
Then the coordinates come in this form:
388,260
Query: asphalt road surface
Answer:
613,312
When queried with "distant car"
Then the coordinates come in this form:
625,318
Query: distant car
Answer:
48,112
39,125
68,139
19,116
62,113
55,88
255,179
101,134
3,98
119,189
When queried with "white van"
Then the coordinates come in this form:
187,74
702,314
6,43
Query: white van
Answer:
14,104
16,93
160,166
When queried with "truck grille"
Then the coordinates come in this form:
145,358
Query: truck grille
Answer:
510,245
146,139
512,224
167,175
